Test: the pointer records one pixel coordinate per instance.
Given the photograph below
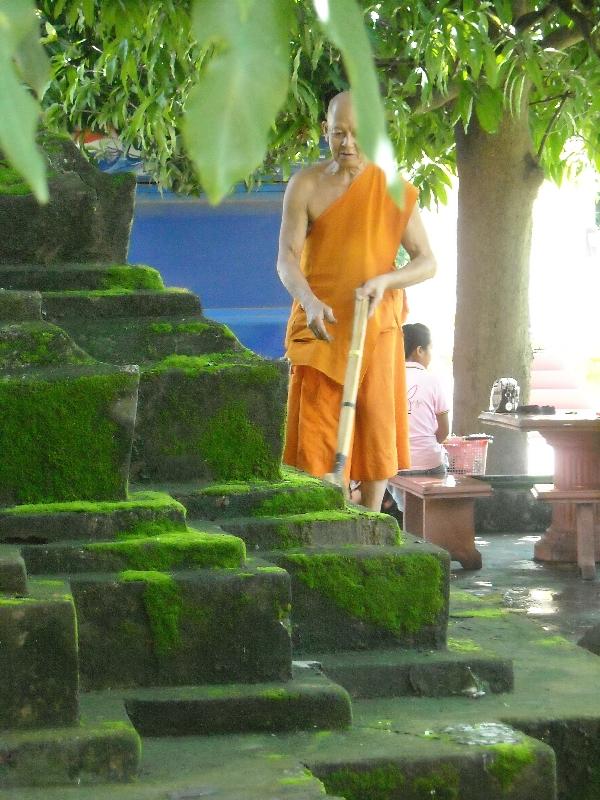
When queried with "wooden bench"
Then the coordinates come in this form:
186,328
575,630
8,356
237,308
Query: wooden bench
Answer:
585,501
441,511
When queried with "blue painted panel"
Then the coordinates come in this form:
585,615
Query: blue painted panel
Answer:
226,254
262,330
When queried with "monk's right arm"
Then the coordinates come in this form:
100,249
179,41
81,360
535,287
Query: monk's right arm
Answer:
294,225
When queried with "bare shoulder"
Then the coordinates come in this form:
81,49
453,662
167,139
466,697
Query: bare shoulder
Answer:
305,181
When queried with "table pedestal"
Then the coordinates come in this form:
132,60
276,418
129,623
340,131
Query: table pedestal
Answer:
577,466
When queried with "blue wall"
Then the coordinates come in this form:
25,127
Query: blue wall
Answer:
226,255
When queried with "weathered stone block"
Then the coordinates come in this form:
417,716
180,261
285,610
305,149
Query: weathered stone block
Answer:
338,527
141,340
20,306
179,550
512,506
143,513
358,597
37,344
38,659
106,752
206,626
66,433
88,217
64,308
217,416
13,577
78,277
308,702
295,493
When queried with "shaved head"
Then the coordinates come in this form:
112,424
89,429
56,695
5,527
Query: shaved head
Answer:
340,101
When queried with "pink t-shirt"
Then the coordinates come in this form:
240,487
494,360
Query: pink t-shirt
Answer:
426,398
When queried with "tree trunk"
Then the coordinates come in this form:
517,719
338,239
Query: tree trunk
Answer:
498,182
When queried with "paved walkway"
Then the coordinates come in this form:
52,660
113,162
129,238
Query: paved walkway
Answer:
552,594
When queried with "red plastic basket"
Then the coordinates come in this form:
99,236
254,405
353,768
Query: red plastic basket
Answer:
466,456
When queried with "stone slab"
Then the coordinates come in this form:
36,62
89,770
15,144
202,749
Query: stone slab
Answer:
60,307
179,550
84,521
295,493
398,673
38,658
79,277
142,340
66,433
108,752
13,576
308,702
195,627
213,417
364,597
20,306
349,526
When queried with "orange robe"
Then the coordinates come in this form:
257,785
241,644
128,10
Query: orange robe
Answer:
356,238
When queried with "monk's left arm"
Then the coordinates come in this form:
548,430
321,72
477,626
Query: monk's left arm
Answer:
421,267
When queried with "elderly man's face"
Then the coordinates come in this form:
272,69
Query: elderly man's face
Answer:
341,134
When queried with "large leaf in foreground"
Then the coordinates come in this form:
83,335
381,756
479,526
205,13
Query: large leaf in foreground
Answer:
343,24
241,88
20,47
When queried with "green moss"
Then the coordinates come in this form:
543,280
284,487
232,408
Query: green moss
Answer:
37,344
163,604
11,181
58,438
176,550
463,646
158,501
211,363
298,780
399,593
442,785
155,527
509,760
553,641
279,694
234,447
193,327
317,498
457,596
140,278
378,783
161,327
483,613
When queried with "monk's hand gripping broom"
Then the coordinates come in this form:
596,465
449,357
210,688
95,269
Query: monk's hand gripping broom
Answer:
351,381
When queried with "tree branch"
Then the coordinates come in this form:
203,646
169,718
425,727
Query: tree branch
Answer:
585,26
550,125
527,21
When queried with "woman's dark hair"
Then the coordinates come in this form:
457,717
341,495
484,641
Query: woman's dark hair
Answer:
415,335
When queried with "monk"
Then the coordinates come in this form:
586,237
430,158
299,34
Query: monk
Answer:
340,233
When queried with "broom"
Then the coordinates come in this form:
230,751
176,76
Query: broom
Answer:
351,380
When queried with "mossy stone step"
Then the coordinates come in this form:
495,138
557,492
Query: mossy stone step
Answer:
20,306
213,417
13,576
350,525
143,512
141,340
463,761
38,659
66,433
37,344
308,702
150,628
70,756
294,493
79,277
360,597
178,550
402,673
63,306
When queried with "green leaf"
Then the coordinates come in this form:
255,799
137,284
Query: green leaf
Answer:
32,61
230,110
343,24
489,108
19,38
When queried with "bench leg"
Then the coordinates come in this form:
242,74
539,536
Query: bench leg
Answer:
586,558
413,515
450,524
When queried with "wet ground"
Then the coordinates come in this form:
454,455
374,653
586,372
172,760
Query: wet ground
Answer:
553,594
